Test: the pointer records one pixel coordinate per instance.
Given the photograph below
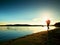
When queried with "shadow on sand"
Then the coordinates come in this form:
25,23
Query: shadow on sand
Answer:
54,36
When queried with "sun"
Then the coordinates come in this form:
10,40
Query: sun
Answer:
45,15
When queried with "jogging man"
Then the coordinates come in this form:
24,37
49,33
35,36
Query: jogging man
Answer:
48,23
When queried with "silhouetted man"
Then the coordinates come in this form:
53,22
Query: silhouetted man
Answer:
48,23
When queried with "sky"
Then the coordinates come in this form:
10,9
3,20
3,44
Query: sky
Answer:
29,11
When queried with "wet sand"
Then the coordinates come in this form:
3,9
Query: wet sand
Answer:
41,38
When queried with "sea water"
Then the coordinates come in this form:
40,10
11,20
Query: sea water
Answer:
13,32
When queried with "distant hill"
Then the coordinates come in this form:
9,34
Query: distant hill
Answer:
57,24
20,25
23,25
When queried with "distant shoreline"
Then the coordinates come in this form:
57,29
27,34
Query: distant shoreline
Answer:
25,25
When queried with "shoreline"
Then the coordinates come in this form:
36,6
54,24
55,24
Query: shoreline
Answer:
41,38
28,37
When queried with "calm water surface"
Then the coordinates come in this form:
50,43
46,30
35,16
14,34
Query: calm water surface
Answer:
7,33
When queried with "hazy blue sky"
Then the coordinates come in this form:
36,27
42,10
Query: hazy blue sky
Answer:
29,11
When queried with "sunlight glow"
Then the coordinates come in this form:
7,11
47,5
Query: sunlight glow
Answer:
2,23
38,29
45,15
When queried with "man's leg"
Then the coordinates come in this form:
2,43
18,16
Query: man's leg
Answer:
48,26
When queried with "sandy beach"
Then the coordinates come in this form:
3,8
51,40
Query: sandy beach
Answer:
41,38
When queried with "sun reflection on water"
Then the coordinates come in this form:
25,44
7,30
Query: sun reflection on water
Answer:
45,28
40,29
32,29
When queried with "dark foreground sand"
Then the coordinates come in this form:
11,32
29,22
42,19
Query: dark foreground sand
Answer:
40,38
